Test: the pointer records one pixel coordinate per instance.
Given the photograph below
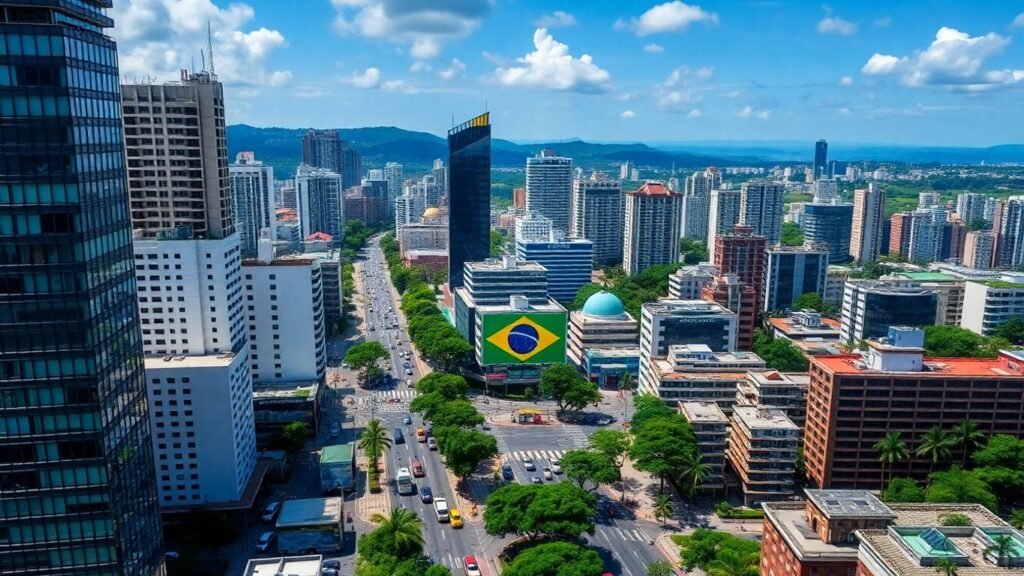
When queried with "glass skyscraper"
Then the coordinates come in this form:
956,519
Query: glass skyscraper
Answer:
77,485
469,201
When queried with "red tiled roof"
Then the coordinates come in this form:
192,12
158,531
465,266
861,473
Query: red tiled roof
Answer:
323,236
653,189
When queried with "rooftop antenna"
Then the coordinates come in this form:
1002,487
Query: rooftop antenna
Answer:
202,58
209,45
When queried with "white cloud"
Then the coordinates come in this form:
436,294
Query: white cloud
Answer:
551,67
653,48
398,86
675,93
160,37
836,25
883,22
846,81
423,26
704,72
694,114
1018,22
751,112
628,114
672,16
369,78
954,59
420,66
677,99
556,19
454,70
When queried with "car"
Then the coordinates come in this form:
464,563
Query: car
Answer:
271,511
335,429
556,466
426,496
266,539
330,572
472,568
171,556
548,475
344,365
605,420
331,565
407,420
399,437
506,472
431,443
408,371
529,465
536,479
408,382
455,518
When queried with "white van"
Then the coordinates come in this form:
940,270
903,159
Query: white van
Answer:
441,509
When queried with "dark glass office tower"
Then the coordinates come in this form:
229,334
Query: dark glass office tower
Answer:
469,201
820,159
77,487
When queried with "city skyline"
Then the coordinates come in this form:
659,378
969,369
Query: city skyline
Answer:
603,71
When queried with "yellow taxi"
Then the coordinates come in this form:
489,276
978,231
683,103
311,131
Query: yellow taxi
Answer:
455,517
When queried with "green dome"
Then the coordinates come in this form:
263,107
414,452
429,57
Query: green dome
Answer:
604,304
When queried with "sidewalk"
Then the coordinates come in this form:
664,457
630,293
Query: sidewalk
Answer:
368,503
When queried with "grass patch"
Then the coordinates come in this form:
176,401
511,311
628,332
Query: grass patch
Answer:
742,514
373,480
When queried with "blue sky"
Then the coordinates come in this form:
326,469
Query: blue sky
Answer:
938,72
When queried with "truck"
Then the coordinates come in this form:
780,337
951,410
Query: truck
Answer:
309,526
441,509
337,469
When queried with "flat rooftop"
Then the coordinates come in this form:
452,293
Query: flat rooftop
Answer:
904,550
501,266
794,329
934,367
764,418
284,389
665,370
927,276
204,361
849,504
627,352
508,309
291,566
309,512
683,307
775,378
703,413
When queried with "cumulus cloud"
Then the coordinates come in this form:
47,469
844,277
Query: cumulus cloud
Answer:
954,60
628,114
676,93
556,19
836,25
160,37
672,16
694,114
704,72
653,48
369,78
551,67
1018,22
420,66
751,112
846,81
422,26
454,70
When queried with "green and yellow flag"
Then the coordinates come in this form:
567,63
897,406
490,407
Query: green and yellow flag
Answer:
523,338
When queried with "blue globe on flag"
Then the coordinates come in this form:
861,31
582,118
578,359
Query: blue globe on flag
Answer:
522,339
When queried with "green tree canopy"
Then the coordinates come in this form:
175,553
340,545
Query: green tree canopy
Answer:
449,386
779,353
556,559
648,407
366,357
953,341
582,466
1012,330
613,444
693,251
662,446
813,301
446,352
659,568
294,435
959,485
464,449
705,546
569,389
903,490
427,404
456,413
560,510
792,234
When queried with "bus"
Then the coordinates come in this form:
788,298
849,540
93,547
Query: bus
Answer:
405,485
310,526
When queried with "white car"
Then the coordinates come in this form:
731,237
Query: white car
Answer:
529,465
556,466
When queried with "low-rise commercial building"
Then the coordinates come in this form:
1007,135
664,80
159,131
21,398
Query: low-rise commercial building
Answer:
762,451
277,404
711,431
809,331
694,373
990,304
870,307
308,565
607,367
773,389
603,323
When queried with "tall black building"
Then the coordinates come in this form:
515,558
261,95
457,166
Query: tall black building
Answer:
322,149
469,200
820,159
351,167
77,484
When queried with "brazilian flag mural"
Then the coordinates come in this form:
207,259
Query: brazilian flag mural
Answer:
523,338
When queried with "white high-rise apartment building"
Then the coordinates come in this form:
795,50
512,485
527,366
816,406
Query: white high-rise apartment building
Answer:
318,195
393,174
440,174
761,208
549,188
926,235
697,202
866,239
285,314
652,227
409,208
598,215
723,214
928,200
252,197
625,170
1010,244
979,249
533,227
970,206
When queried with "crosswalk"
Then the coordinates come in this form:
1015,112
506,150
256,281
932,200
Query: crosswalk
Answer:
387,400
627,535
577,435
535,455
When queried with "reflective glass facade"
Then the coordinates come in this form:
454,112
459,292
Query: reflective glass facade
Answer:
77,490
829,225
469,201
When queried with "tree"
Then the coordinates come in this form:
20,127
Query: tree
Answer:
978,224
1012,330
960,486
497,243
1001,547
427,404
792,235
967,437
614,444
733,563
464,449
813,301
935,445
779,353
449,386
582,466
659,568
661,446
1017,518
366,356
648,407
447,353
374,441
692,473
404,529
953,341
693,251
903,490
456,413
294,435
556,559
662,508
569,389
560,510
945,567
891,449
704,546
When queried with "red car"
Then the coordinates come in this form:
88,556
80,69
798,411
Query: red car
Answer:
472,568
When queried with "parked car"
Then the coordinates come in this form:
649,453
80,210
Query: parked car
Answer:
426,496
266,539
529,465
506,472
271,511
556,466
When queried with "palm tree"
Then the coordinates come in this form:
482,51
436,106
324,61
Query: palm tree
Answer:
967,437
891,449
1001,547
404,527
945,567
1017,518
374,441
732,563
662,508
693,472
935,445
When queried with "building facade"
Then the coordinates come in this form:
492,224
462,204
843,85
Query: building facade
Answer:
78,487
866,234
603,323
989,304
711,431
493,283
652,227
693,373
723,215
899,234
763,445
569,263
598,215
469,204
688,282
1010,225
870,307
322,149
549,188
979,249
820,159
829,225
320,208
252,200
791,272
761,208
742,252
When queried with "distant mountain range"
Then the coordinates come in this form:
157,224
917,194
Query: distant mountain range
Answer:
282,148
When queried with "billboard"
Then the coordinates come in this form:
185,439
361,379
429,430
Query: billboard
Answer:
523,338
